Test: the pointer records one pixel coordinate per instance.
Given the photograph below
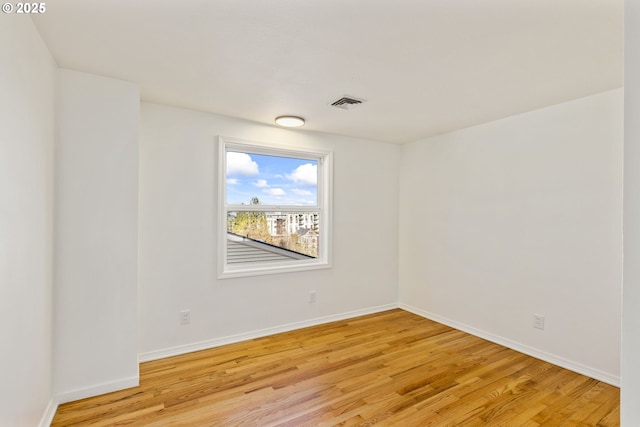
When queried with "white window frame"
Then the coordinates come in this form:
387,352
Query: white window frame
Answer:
323,207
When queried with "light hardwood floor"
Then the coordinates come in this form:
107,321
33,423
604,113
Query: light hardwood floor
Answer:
390,368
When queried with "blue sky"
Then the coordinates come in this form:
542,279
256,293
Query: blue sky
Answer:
274,180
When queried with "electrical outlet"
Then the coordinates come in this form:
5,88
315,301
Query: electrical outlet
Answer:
538,321
312,296
185,317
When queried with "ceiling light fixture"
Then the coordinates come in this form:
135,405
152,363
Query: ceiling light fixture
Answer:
290,121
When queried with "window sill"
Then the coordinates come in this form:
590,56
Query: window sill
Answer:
261,270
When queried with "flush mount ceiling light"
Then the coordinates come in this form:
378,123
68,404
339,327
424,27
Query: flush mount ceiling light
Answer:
290,121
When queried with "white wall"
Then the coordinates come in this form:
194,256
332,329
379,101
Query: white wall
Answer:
95,341
178,185
630,390
27,84
521,216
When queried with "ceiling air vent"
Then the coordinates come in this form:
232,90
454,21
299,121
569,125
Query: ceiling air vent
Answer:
347,102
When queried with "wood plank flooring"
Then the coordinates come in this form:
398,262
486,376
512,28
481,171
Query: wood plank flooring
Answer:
392,368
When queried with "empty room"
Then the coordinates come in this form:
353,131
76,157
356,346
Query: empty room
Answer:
288,213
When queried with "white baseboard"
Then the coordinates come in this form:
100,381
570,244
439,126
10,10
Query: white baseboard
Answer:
556,360
203,345
108,387
49,413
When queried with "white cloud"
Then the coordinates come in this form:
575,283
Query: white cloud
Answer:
301,192
306,174
232,181
241,164
275,192
261,183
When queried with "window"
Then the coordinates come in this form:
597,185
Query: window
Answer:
274,209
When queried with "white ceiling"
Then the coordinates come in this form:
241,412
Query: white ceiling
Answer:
424,66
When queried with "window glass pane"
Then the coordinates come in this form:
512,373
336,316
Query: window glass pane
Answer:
275,209
272,236
270,180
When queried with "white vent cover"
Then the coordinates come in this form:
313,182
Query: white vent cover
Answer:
347,102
